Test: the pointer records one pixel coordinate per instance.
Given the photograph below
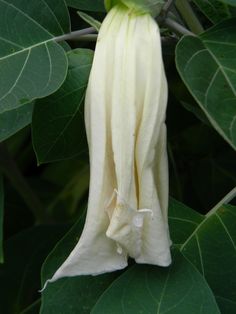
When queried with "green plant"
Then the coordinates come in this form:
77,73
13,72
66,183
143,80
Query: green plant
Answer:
46,54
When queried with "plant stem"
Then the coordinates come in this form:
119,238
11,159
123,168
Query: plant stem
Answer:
10,169
176,27
76,34
228,198
167,7
90,37
189,16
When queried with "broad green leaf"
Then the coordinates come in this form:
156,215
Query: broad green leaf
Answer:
212,249
32,64
71,295
87,5
57,126
1,218
20,273
179,289
14,120
215,10
207,65
182,221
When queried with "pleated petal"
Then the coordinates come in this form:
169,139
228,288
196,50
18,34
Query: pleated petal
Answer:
125,123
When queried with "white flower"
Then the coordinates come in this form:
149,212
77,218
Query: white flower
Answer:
124,113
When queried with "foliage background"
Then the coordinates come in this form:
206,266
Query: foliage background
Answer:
44,170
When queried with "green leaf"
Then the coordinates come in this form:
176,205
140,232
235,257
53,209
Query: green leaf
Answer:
73,191
230,2
71,295
87,5
182,221
179,289
32,65
212,249
207,65
14,120
213,9
20,274
57,126
1,218
90,20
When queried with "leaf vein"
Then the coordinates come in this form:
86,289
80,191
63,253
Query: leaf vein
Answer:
227,231
27,16
19,76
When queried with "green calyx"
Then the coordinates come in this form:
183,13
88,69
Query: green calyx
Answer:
152,7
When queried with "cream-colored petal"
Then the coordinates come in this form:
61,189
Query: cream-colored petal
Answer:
124,114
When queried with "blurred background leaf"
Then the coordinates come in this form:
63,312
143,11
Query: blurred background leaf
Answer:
215,10
230,2
20,274
1,218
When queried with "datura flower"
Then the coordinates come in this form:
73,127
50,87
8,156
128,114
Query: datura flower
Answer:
125,109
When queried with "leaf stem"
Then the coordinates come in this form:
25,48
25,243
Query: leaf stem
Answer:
225,200
166,8
189,16
176,27
76,34
32,306
89,37
10,169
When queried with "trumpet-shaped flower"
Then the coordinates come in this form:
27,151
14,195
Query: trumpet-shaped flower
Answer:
125,122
